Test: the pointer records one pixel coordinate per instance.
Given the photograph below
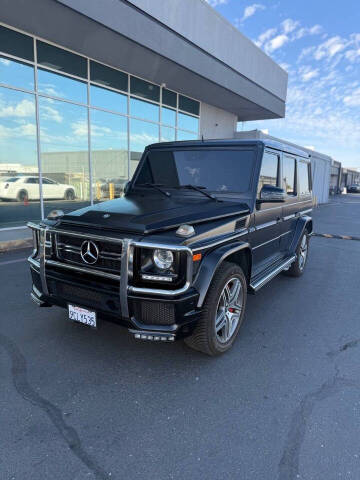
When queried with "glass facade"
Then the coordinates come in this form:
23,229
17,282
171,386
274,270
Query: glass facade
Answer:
72,130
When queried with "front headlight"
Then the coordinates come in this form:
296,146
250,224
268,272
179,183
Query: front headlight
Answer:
163,259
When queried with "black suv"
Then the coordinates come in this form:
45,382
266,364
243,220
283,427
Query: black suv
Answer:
201,224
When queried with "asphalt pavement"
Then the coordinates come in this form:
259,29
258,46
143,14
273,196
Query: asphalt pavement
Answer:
283,404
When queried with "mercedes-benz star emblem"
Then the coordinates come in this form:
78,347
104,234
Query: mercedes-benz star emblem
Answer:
89,252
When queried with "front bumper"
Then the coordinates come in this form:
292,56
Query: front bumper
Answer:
148,317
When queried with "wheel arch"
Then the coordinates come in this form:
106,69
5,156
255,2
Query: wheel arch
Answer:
238,253
304,223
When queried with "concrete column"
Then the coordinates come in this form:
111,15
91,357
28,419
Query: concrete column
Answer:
216,123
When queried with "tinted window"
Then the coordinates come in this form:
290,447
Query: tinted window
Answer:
289,175
59,59
13,179
169,98
144,89
108,76
16,43
303,176
189,105
269,170
222,171
32,180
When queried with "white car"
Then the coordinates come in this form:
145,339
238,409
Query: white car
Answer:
21,188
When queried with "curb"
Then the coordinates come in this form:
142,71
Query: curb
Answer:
340,237
15,244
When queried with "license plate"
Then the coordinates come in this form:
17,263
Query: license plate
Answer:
82,315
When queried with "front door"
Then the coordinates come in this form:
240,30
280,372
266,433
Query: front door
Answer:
265,238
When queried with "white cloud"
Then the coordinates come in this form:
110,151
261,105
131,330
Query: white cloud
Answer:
27,130
329,48
5,62
25,108
289,25
353,100
265,36
215,3
307,73
250,10
276,42
51,114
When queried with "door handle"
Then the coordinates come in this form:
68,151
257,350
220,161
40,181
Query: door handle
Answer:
278,219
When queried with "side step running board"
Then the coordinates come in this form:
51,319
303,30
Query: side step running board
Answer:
264,280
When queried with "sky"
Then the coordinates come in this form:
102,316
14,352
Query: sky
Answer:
318,43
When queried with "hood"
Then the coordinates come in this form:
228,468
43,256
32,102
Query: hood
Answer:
149,214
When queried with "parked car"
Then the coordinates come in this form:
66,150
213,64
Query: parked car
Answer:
353,188
201,225
21,188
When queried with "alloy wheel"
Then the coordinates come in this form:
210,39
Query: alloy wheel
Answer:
303,251
229,310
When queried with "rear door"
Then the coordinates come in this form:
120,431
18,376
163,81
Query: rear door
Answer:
265,239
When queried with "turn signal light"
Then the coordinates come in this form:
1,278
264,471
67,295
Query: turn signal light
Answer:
197,257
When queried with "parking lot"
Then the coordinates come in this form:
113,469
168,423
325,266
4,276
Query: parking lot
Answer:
283,404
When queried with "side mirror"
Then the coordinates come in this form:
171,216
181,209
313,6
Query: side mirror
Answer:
127,187
270,193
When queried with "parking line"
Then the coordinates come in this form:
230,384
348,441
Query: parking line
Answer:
9,262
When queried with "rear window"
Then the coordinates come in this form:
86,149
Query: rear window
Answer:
216,170
13,179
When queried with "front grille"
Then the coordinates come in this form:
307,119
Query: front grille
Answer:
68,250
154,313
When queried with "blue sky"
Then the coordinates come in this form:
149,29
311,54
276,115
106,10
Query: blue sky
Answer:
318,43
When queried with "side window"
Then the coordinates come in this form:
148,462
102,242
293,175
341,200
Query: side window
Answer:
269,170
47,181
289,175
32,180
303,176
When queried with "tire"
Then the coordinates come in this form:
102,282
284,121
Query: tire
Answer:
302,252
69,195
21,196
208,337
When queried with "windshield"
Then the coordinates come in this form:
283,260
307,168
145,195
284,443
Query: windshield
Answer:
216,170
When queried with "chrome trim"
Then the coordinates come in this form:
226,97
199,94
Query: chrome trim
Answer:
283,205
271,240
260,283
89,271
306,211
42,260
87,236
265,225
36,300
124,273
289,216
219,242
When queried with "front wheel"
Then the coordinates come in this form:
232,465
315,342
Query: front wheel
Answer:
69,195
297,268
223,311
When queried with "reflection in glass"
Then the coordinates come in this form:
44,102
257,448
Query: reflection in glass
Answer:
16,43
60,86
109,154
189,105
186,135
60,59
186,122
141,135
168,116
144,89
64,153
18,158
167,134
103,98
145,110
16,74
109,77
169,98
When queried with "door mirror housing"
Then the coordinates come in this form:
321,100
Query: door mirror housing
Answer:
127,186
271,194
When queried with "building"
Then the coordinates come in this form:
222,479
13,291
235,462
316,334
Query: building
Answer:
320,164
86,85
335,177
349,176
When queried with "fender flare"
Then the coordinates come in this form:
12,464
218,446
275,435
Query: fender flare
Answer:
210,264
303,222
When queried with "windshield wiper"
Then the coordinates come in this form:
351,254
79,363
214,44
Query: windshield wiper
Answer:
200,189
156,186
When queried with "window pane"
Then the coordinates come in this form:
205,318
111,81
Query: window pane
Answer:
145,110
217,170
186,122
18,158
289,175
16,74
16,43
303,175
103,98
64,154
169,98
144,89
186,136
167,134
189,105
108,76
59,59
269,170
168,116
60,86
141,135
109,154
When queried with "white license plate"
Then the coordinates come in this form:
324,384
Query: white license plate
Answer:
82,315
